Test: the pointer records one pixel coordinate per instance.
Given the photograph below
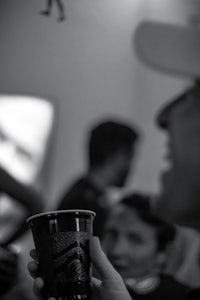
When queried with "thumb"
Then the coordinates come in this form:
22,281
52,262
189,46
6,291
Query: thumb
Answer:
101,262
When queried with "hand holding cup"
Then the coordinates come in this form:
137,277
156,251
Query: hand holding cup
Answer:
109,285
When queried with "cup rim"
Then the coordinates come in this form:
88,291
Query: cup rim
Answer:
57,212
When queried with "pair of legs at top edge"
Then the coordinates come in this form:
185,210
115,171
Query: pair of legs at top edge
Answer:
61,9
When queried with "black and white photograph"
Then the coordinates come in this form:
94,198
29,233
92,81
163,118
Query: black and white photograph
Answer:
100,149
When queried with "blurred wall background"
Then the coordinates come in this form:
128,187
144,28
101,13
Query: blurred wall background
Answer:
88,67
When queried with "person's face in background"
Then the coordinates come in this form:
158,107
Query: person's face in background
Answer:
130,243
180,192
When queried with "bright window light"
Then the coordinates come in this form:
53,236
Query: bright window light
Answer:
25,125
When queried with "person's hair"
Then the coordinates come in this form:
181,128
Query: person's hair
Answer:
165,232
109,137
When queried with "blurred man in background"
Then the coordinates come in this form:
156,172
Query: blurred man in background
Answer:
111,148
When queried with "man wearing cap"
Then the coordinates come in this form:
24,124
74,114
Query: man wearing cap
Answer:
177,54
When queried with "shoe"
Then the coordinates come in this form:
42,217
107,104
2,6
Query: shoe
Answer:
61,18
45,12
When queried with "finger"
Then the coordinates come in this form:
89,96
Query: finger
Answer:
33,269
95,282
100,261
33,254
38,285
108,291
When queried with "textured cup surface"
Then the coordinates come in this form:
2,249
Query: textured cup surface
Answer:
61,241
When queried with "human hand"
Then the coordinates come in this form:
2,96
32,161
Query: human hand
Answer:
33,271
109,286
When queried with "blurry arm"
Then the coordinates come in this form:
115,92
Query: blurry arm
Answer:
23,194
26,196
8,269
20,230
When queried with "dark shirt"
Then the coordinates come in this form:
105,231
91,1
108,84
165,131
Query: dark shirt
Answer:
168,289
83,194
194,294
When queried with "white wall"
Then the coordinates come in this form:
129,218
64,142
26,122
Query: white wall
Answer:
87,64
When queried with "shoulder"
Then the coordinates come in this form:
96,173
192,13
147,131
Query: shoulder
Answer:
78,195
173,285
82,187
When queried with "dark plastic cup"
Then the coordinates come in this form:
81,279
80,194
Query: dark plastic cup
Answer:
61,242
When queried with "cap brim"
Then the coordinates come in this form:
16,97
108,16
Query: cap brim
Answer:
169,48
